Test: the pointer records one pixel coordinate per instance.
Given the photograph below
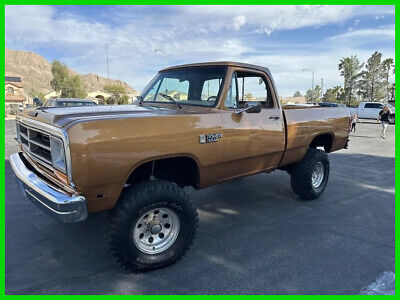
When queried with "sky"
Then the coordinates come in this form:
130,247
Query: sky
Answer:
286,39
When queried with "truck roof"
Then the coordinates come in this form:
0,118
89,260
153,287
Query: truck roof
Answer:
220,63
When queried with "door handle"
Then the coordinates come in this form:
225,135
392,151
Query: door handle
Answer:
274,117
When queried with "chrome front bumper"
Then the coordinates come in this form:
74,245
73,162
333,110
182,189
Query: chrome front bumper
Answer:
56,203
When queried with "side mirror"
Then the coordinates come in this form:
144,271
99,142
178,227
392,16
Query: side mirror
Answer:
251,107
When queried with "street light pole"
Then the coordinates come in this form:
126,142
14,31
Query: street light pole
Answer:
165,55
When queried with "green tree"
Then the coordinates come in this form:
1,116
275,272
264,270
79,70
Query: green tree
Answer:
60,76
297,94
392,91
75,87
34,93
68,86
314,95
374,78
333,94
118,94
351,70
329,96
387,64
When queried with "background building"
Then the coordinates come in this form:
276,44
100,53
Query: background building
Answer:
14,94
294,100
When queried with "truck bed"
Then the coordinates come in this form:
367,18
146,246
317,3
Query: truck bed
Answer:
304,123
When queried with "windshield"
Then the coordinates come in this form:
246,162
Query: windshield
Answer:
189,86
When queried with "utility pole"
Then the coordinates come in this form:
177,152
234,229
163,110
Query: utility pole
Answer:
322,87
108,68
312,79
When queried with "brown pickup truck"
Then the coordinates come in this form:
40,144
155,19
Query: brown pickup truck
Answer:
193,125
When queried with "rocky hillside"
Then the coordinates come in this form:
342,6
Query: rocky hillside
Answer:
36,72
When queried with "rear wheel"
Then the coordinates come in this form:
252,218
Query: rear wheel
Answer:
310,176
152,226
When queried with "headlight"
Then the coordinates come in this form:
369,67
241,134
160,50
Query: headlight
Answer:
57,154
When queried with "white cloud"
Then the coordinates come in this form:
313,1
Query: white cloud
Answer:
238,22
273,18
383,32
195,34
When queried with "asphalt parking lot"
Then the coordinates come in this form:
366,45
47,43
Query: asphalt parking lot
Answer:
254,236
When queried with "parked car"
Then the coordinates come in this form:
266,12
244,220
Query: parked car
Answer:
370,110
135,160
60,102
333,104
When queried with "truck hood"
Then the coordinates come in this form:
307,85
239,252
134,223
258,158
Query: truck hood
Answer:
62,116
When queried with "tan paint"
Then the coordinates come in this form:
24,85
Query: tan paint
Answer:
106,150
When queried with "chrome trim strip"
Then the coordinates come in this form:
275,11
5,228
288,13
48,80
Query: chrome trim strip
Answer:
49,129
60,205
48,207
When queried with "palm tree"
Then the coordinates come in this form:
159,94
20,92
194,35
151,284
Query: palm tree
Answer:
336,91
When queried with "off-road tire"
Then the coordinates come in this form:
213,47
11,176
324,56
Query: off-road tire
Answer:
301,177
135,201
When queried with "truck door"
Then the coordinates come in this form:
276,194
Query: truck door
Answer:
252,142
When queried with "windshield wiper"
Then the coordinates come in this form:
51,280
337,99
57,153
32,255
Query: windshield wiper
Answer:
140,99
141,103
168,97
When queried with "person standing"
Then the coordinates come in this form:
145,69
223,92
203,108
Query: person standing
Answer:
384,118
354,120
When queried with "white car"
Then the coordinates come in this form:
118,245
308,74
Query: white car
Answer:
370,110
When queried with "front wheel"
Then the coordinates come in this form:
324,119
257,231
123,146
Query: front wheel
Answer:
152,226
310,176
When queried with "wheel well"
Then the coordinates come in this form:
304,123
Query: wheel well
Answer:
181,170
323,140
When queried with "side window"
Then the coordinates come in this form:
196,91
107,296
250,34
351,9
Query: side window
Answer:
231,99
252,87
373,105
210,89
173,87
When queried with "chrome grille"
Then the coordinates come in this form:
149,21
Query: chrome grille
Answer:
36,143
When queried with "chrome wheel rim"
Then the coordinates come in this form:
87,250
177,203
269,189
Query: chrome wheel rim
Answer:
156,230
318,175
